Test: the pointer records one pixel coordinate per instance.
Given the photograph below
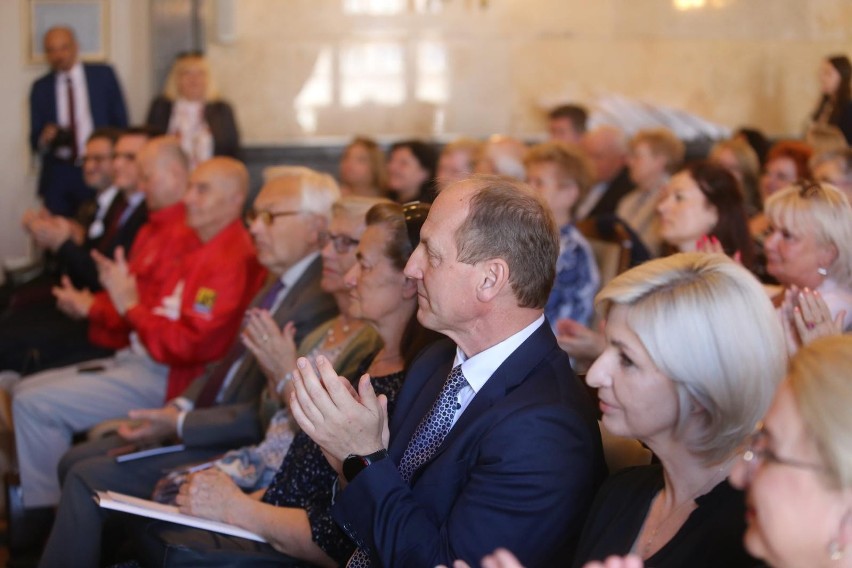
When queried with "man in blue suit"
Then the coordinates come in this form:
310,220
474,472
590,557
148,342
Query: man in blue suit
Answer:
493,441
66,105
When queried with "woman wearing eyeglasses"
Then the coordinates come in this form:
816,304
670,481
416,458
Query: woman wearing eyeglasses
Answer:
344,340
797,467
797,470
294,514
810,247
694,353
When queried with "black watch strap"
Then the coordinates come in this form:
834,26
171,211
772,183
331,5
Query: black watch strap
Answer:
353,464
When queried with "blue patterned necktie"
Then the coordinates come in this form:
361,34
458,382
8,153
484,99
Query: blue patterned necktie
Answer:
425,441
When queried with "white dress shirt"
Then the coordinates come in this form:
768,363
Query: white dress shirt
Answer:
479,368
96,229
82,110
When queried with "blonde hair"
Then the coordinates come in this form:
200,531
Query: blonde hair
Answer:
709,327
819,379
662,142
182,63
823,210
571,162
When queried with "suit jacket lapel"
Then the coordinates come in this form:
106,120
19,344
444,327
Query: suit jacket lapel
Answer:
281,314
305,283
420,391
511,373
53,111
97,106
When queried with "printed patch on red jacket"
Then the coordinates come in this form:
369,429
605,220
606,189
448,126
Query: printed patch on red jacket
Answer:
204,300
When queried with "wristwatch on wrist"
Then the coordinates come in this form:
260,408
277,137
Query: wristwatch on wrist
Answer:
353,464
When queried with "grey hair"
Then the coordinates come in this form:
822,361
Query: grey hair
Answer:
709,327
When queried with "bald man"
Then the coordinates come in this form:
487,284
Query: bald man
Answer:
187,321
287,222
66,105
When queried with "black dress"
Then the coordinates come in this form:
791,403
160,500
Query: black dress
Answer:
712,536
303,481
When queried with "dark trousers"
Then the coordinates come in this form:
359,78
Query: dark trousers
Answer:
38,336
178,546
77,530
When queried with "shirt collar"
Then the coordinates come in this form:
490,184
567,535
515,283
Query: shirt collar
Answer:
135,199
295,272
479,368
76,73
105,198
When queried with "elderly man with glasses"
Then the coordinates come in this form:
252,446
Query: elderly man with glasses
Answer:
220,409
175,315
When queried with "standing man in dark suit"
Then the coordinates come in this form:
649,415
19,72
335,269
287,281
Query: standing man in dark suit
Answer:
494,441
65,106
219,411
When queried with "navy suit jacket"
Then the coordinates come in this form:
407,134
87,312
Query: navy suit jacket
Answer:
61,183
105,100
76,261
519,469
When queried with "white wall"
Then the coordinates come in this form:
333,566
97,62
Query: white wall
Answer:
129,52
733,62
496,69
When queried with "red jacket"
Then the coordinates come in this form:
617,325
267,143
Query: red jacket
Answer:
198,317
157,253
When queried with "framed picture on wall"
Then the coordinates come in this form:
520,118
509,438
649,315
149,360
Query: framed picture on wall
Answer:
88,18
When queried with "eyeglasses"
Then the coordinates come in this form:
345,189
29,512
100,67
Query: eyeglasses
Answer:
758,452
415,213
268,217
342,243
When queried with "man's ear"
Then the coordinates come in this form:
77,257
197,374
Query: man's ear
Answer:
493,278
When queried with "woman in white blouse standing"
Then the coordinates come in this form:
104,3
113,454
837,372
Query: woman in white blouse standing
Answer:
190,109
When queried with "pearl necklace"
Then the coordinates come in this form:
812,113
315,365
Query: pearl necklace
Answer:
344,327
